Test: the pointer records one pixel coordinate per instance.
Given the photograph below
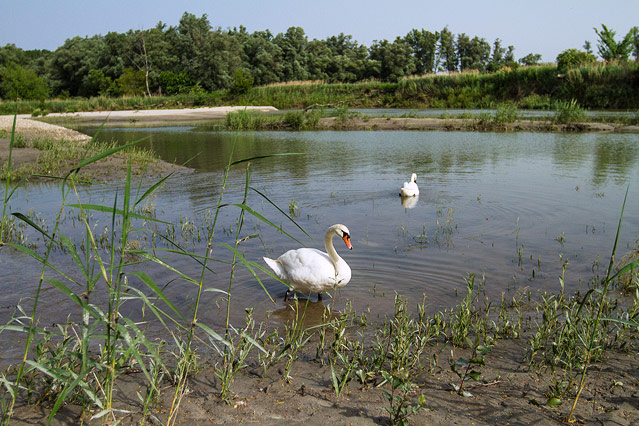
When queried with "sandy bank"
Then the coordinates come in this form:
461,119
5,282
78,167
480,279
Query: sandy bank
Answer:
157,115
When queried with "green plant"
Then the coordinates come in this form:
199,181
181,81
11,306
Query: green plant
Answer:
462,366
244,120
400,408
293,208
235,351
506,113
568,112
592,338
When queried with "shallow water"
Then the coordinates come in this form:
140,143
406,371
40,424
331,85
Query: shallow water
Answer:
511,207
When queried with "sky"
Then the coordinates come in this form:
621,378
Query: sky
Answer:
545,27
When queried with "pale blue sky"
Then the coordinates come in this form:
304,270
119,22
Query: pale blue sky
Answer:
546,27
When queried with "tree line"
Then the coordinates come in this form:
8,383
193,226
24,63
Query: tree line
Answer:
195,57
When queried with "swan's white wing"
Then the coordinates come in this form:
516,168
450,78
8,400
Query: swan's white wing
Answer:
307,270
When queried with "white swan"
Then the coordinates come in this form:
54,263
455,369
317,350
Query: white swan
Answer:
308,270
410,189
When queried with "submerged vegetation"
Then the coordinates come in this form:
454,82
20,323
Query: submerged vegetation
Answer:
83,361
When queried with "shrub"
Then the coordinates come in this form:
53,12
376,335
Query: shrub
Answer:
569,112
571,58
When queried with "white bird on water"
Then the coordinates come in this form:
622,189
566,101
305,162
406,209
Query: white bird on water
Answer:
308,270
410,189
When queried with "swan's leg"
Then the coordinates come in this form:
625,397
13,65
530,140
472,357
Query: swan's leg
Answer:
287,294
319,296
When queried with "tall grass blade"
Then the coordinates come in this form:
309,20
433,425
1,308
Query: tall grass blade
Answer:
31,223
158,292
265,220
281,211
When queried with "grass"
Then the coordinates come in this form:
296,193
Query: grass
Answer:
56,155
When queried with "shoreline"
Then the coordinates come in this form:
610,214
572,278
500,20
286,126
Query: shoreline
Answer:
53,125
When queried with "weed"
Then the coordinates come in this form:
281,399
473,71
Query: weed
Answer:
462,366
568,112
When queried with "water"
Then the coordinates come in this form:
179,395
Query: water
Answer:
508,207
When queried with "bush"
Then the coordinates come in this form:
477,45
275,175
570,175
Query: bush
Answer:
242,82
572,58
506,113
569,112
20,83
244,120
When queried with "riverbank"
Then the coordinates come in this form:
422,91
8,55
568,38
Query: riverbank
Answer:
43,149
266,390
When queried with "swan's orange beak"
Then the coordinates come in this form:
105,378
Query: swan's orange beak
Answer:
347,240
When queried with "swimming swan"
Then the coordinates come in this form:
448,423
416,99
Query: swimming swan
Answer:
308,270
410,189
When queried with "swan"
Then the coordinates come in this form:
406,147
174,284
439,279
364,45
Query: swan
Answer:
410,189
308,270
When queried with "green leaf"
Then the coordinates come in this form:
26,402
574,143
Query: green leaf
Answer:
461,362
281,211
102,155
153,286
477,361
475,375
553,402
265,220
31,223
152,189
483,350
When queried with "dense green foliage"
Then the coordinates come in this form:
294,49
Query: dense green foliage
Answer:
195,64
195,56
595,86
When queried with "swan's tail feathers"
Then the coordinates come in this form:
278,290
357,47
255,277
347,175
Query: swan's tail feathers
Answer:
274,265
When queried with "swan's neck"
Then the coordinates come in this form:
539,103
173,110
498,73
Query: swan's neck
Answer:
330,250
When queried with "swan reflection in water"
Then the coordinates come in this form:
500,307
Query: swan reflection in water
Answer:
409,202
304,310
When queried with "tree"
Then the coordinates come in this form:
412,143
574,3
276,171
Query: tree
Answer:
497,60
611,50
293,44
261,56
424,45
131,82
446,51
70,65
17,82
242,82
571,58
634,41
587,47
473,54
530,59
394,60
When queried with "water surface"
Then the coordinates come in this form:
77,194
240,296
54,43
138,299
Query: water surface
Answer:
509,207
